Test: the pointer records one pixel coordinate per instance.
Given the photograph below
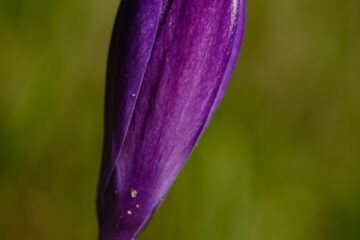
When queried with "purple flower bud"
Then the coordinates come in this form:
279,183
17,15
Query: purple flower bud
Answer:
169,64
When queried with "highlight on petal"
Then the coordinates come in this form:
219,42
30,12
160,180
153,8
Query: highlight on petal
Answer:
169,65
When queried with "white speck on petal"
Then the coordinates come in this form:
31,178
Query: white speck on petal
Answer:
129,212
133,193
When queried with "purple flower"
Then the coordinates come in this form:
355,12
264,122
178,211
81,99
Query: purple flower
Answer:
169,64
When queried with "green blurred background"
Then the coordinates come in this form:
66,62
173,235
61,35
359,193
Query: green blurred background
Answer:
279,161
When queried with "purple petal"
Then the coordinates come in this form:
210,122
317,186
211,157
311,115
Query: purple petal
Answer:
169,65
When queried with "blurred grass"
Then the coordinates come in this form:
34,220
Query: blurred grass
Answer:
280,160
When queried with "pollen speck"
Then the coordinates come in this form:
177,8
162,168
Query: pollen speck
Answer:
129,212
137,205
133,95
133,193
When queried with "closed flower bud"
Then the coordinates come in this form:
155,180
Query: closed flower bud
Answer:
169,64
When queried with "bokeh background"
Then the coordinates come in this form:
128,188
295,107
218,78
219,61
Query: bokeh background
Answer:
279,161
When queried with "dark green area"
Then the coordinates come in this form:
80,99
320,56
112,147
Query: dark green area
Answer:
279,161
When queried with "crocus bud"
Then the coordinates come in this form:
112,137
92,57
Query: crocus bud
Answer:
169,64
